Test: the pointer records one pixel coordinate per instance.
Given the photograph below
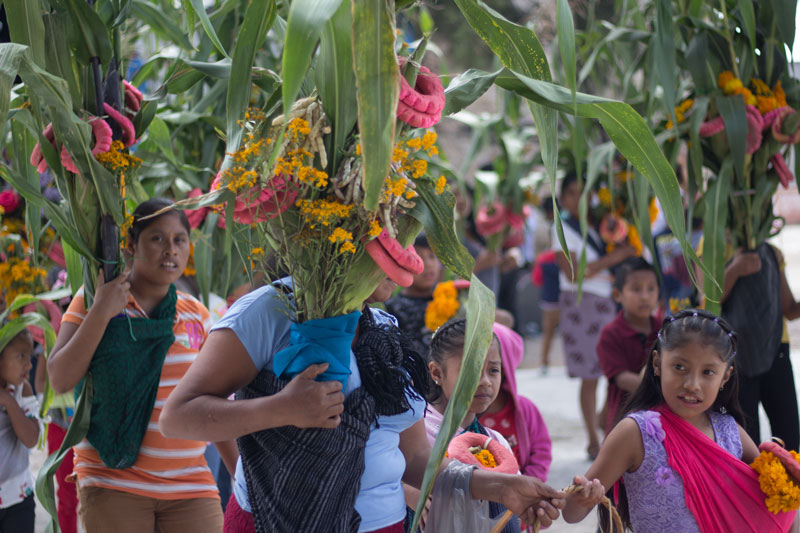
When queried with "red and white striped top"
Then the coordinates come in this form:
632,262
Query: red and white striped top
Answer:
166,469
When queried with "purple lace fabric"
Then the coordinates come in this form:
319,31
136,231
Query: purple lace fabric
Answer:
655,491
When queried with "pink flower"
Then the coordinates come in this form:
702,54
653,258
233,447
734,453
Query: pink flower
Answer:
491,219
128,133
9,200
133,100
754,126
101,132
54,313
777,127
422,105
258,205
781,169
196,216
37,157
56,254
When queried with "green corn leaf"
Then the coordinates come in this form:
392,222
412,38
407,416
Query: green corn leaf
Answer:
377,91
566,42
88,33
336,82
24,18
715,219
59,60
632,137
158,132
73,261
519,50
161,25
257,21
733,114
749,20
435,211
665,55
465,88
480,317
11,55
306,21
200,11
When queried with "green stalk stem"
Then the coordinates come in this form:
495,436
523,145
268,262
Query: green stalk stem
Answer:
729,38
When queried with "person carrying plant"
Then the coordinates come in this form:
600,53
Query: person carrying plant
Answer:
581,322
131,347
315,475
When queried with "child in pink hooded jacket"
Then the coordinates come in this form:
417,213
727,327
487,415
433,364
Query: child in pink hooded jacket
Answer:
515,416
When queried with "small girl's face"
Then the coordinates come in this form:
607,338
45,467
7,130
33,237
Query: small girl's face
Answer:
15,361
488,386
691,378
161,252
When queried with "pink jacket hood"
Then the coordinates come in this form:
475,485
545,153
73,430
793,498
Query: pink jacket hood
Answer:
533,438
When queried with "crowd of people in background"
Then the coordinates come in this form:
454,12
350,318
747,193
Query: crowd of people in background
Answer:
617,324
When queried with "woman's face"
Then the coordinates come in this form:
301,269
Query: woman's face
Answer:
570,198
161,252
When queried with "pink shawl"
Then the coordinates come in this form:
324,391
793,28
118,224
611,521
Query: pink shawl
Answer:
722,492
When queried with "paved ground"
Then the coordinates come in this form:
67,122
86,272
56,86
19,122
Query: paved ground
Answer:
557,397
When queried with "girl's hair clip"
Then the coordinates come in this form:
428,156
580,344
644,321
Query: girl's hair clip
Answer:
694,314
716,320
730,334
672,319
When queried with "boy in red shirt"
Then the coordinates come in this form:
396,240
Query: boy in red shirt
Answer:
626,341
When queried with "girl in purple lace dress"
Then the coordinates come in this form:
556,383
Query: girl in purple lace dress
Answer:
659,448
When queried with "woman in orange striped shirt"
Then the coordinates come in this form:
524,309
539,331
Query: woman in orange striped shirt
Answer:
169,486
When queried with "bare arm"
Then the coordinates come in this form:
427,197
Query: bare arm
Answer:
198,407
622,451
229,453
627,380
75,345
527,497
26,429
749,448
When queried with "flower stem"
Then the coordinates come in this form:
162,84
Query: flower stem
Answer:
729,38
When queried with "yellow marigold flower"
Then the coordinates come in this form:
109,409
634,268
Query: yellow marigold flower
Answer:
724,77
323,211
420,167
399,155
415,143
358,149
604,195
749,98
257,251
652,210
299,126
486,458
623,176
634,239
428,140
347,248
733,86
446,290
760,88
780,95
441,183
374,228
409,194
340,235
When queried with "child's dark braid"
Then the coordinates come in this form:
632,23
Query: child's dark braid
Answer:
446,340
697,324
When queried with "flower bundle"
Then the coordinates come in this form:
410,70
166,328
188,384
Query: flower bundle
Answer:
315,223
776,468
485,452
616,211
502,226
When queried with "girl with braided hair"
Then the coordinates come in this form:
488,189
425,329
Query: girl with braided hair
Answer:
314,456
679,455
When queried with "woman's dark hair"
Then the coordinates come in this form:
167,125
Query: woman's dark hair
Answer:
142,216
421,241
568,180
446,341
680,329
628,267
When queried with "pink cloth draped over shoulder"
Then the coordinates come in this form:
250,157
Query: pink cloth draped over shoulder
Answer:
722,492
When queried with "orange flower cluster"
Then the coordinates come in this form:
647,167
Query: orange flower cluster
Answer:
443,306
782,493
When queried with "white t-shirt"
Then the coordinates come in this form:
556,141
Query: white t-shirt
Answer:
601,283
16,480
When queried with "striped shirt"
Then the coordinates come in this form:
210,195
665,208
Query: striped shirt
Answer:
166,469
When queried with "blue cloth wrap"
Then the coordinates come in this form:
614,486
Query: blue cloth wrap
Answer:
323,340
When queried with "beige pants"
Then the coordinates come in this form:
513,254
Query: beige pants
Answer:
112,511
